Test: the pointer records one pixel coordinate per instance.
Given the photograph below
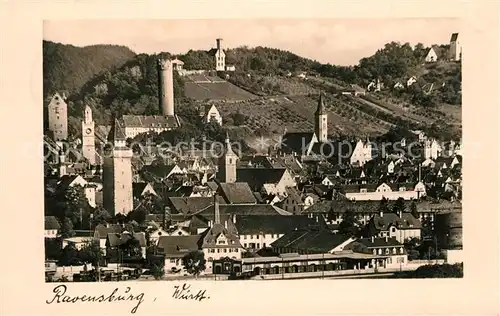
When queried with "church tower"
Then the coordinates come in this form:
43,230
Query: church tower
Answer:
227,164
58,117
117,172
321,121
88,136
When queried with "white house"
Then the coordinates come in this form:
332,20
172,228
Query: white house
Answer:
455,48
411,81
432,149
362,153
211,114
431,56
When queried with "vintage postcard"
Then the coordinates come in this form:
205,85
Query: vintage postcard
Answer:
188,158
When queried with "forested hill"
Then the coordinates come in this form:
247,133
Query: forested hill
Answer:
68,68
122,82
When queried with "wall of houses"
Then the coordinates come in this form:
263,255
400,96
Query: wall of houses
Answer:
402,235
212,254
258,241
131,132
377,196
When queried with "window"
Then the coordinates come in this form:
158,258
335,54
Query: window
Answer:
264,245
244,236
363,190
393,251
393,229
210,259
401,250
225,250
387,251
172,260
374,251
236,250
218,250
245,245
251,236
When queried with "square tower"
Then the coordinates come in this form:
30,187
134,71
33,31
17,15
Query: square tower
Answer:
117,172
58,117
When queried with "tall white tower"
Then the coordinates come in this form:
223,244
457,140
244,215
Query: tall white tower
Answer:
227,164
321,121
88,136
117,173
166,87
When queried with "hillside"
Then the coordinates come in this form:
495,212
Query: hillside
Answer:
67,67
265,96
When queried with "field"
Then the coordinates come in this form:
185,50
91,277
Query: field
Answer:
201,87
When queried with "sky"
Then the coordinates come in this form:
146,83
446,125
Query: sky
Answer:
335,41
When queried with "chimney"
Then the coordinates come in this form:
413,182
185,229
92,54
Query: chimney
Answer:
219,40
225,224
373,239
166,87
386,238
234,218
216,209
400,213
381,213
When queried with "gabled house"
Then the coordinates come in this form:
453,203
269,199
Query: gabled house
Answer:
237,193
221,239
126,244
68,181
141,189
210,113
174,248
260,231
267,181
311,240
401,226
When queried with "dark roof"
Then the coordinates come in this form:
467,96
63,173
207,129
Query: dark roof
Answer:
66,181
149,121
138,188
117,131
51,222
101,231
116,239
454,37
191,205
311,240
159,170
321,106
237,193
379,242
257,177
178,246
272,224
242,209
296,142
341,206
406,221
210,237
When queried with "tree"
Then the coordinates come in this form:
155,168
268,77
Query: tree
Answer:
91,253
53,248
99,216
69,256
350,225
72,204
158,271
67,229
413,209
399,206
194,262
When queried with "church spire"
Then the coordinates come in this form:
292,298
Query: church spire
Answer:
321,105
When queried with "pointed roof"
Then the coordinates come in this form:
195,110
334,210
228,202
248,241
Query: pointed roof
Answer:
321,106
454,37
228,150
117,131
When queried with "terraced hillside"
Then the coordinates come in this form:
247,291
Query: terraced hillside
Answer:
296,113
203,87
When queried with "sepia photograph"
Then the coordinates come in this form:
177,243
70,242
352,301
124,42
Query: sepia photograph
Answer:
252,149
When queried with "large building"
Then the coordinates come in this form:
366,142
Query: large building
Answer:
117,173
58,117
455,48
